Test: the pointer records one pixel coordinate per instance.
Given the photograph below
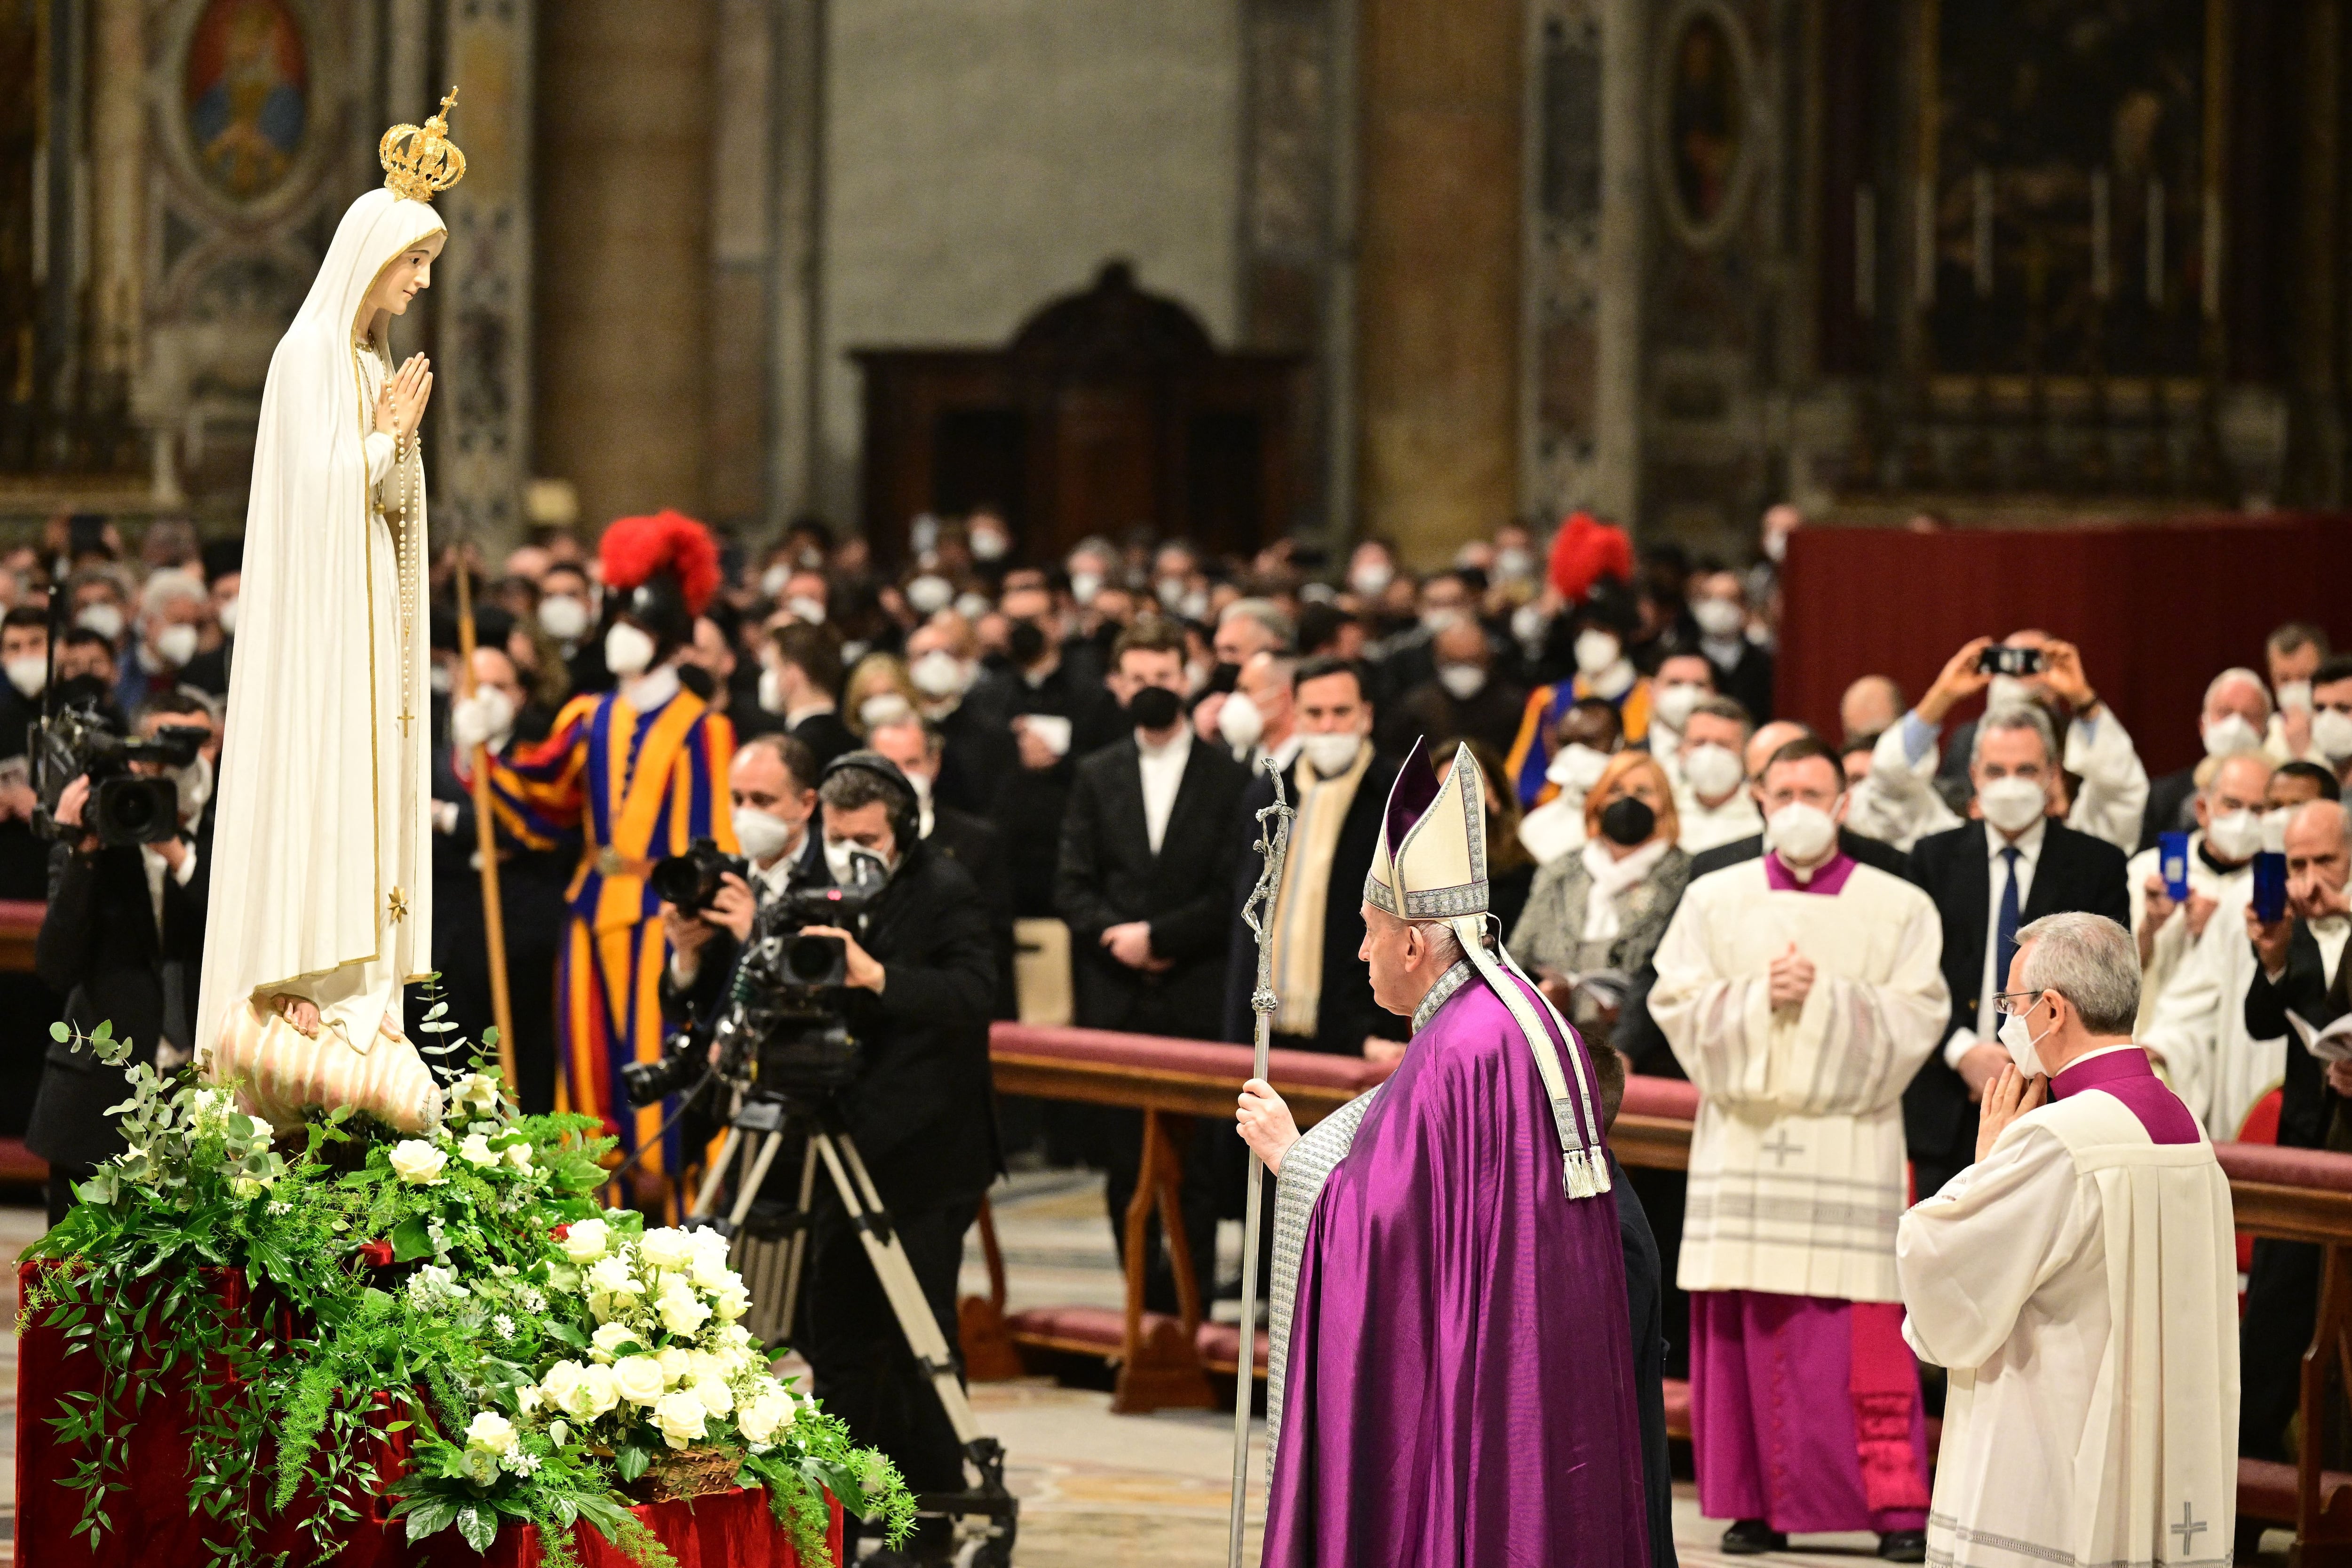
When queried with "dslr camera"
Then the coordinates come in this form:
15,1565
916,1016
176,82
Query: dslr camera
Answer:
125,807
781,1028
691,880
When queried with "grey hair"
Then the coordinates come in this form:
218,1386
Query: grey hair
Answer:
1718,706
2090,960
2207,776
1266,613
2240,672
169,585
2012,716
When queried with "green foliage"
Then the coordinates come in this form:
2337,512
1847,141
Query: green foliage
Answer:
447,1344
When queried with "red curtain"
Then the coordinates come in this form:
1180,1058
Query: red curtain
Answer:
2157,610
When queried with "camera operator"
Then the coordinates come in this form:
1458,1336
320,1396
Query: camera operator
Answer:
123,938
922,974
772,780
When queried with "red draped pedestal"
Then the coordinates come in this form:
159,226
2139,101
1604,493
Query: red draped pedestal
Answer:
152,1527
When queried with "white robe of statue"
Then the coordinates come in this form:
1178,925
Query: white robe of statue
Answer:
2080,1284
321,869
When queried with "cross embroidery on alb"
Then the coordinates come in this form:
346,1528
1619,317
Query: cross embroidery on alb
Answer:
2187,1529
1781,1149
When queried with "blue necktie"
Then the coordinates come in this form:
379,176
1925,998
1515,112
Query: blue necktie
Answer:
2004,943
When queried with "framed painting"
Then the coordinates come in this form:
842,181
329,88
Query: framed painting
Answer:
1703,141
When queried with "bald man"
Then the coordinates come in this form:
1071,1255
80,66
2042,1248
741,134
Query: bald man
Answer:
1871,706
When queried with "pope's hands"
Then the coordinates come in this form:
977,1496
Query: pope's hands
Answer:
1265,1123
1791,978
2010,1097
400,406
864,969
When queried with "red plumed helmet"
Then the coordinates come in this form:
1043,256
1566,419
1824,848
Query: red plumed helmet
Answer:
635,548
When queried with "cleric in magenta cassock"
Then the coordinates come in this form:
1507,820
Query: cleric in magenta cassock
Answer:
1452,1381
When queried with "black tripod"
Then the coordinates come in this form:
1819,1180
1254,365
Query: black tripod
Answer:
772,1117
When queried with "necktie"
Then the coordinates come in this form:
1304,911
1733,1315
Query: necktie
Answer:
2004,945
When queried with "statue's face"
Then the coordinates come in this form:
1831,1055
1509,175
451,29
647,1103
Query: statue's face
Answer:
408,272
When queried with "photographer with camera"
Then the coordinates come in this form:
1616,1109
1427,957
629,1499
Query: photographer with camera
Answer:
125,927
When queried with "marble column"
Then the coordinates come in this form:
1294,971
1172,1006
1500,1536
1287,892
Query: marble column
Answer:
118,184
621,254
484,364
1619,282
1438,298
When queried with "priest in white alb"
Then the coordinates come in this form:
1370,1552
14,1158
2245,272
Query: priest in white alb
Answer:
1800,991
2079,1283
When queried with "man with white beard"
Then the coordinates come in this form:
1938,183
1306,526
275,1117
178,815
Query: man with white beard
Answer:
2227,811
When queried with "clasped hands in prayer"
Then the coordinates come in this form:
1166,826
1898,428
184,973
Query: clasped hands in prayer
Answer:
2011,1096
1791,978
400,406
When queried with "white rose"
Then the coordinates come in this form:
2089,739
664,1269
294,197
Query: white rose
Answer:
682,1311
680,1417
599,1392
476,1091
611,1276
716,1396
730,1301
526,1398
710,1270
417,1162
476,1150
608,1339
758,1416
561,1383
665,1247
585,1241
491,1433
262,1130
673,1364
518,1157
639,1379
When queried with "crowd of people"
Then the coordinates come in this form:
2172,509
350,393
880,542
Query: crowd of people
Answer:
1085,739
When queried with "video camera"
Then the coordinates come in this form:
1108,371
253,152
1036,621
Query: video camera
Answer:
125,807
782,1027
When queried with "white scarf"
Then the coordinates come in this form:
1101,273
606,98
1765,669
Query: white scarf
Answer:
1612,877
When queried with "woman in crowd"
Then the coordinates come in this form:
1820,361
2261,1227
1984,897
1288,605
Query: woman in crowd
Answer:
1594,916
879,676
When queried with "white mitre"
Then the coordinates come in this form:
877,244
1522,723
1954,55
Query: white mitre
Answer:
1431,865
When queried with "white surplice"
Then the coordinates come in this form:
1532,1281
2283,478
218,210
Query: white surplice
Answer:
2198,1027
1727,821
2080,1284
2172,941
1797,1161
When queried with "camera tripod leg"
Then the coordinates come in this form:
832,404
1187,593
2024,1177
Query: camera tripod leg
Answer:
706,1201
749,1193
798,1251
888,1256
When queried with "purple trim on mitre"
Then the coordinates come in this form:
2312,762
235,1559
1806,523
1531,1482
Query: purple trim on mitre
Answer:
2127,1075
1830,879
1410,798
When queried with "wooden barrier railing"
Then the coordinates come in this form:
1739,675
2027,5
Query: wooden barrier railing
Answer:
2289,1195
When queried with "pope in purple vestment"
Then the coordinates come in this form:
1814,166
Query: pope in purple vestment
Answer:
1458,1384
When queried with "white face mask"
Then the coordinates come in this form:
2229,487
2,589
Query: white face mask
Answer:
2018,1035
1084,586
1369,577
2236,835
1513,565
929,593
2229,733
29,675
1776,548
563,617
176,644
987,544
226,615
1529,624
808,611
1712,770
1672,704
1800,834
971,607
1596,650
628,651
2331,734
852,863
763,834
102,618
1718,617
938,674
2294,694
438,678
1462,681
882,707
499,712
1577,767
2012,803
1240,722
772,581
1331,755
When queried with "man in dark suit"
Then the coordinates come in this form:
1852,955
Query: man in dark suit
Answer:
2304,974
1146,884
121,940
801,683
1060,713
2235,718
972,842
2010,867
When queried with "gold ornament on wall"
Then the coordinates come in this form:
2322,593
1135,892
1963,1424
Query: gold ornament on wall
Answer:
429,164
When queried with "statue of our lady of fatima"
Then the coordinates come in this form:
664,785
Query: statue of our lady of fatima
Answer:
321,899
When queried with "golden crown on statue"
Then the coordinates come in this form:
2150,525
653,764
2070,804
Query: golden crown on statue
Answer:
430,162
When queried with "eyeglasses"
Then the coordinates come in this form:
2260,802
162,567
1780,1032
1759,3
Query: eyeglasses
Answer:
2009,1003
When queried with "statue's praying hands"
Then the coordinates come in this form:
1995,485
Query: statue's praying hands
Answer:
400,406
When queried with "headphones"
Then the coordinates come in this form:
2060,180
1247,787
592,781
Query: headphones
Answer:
906,822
